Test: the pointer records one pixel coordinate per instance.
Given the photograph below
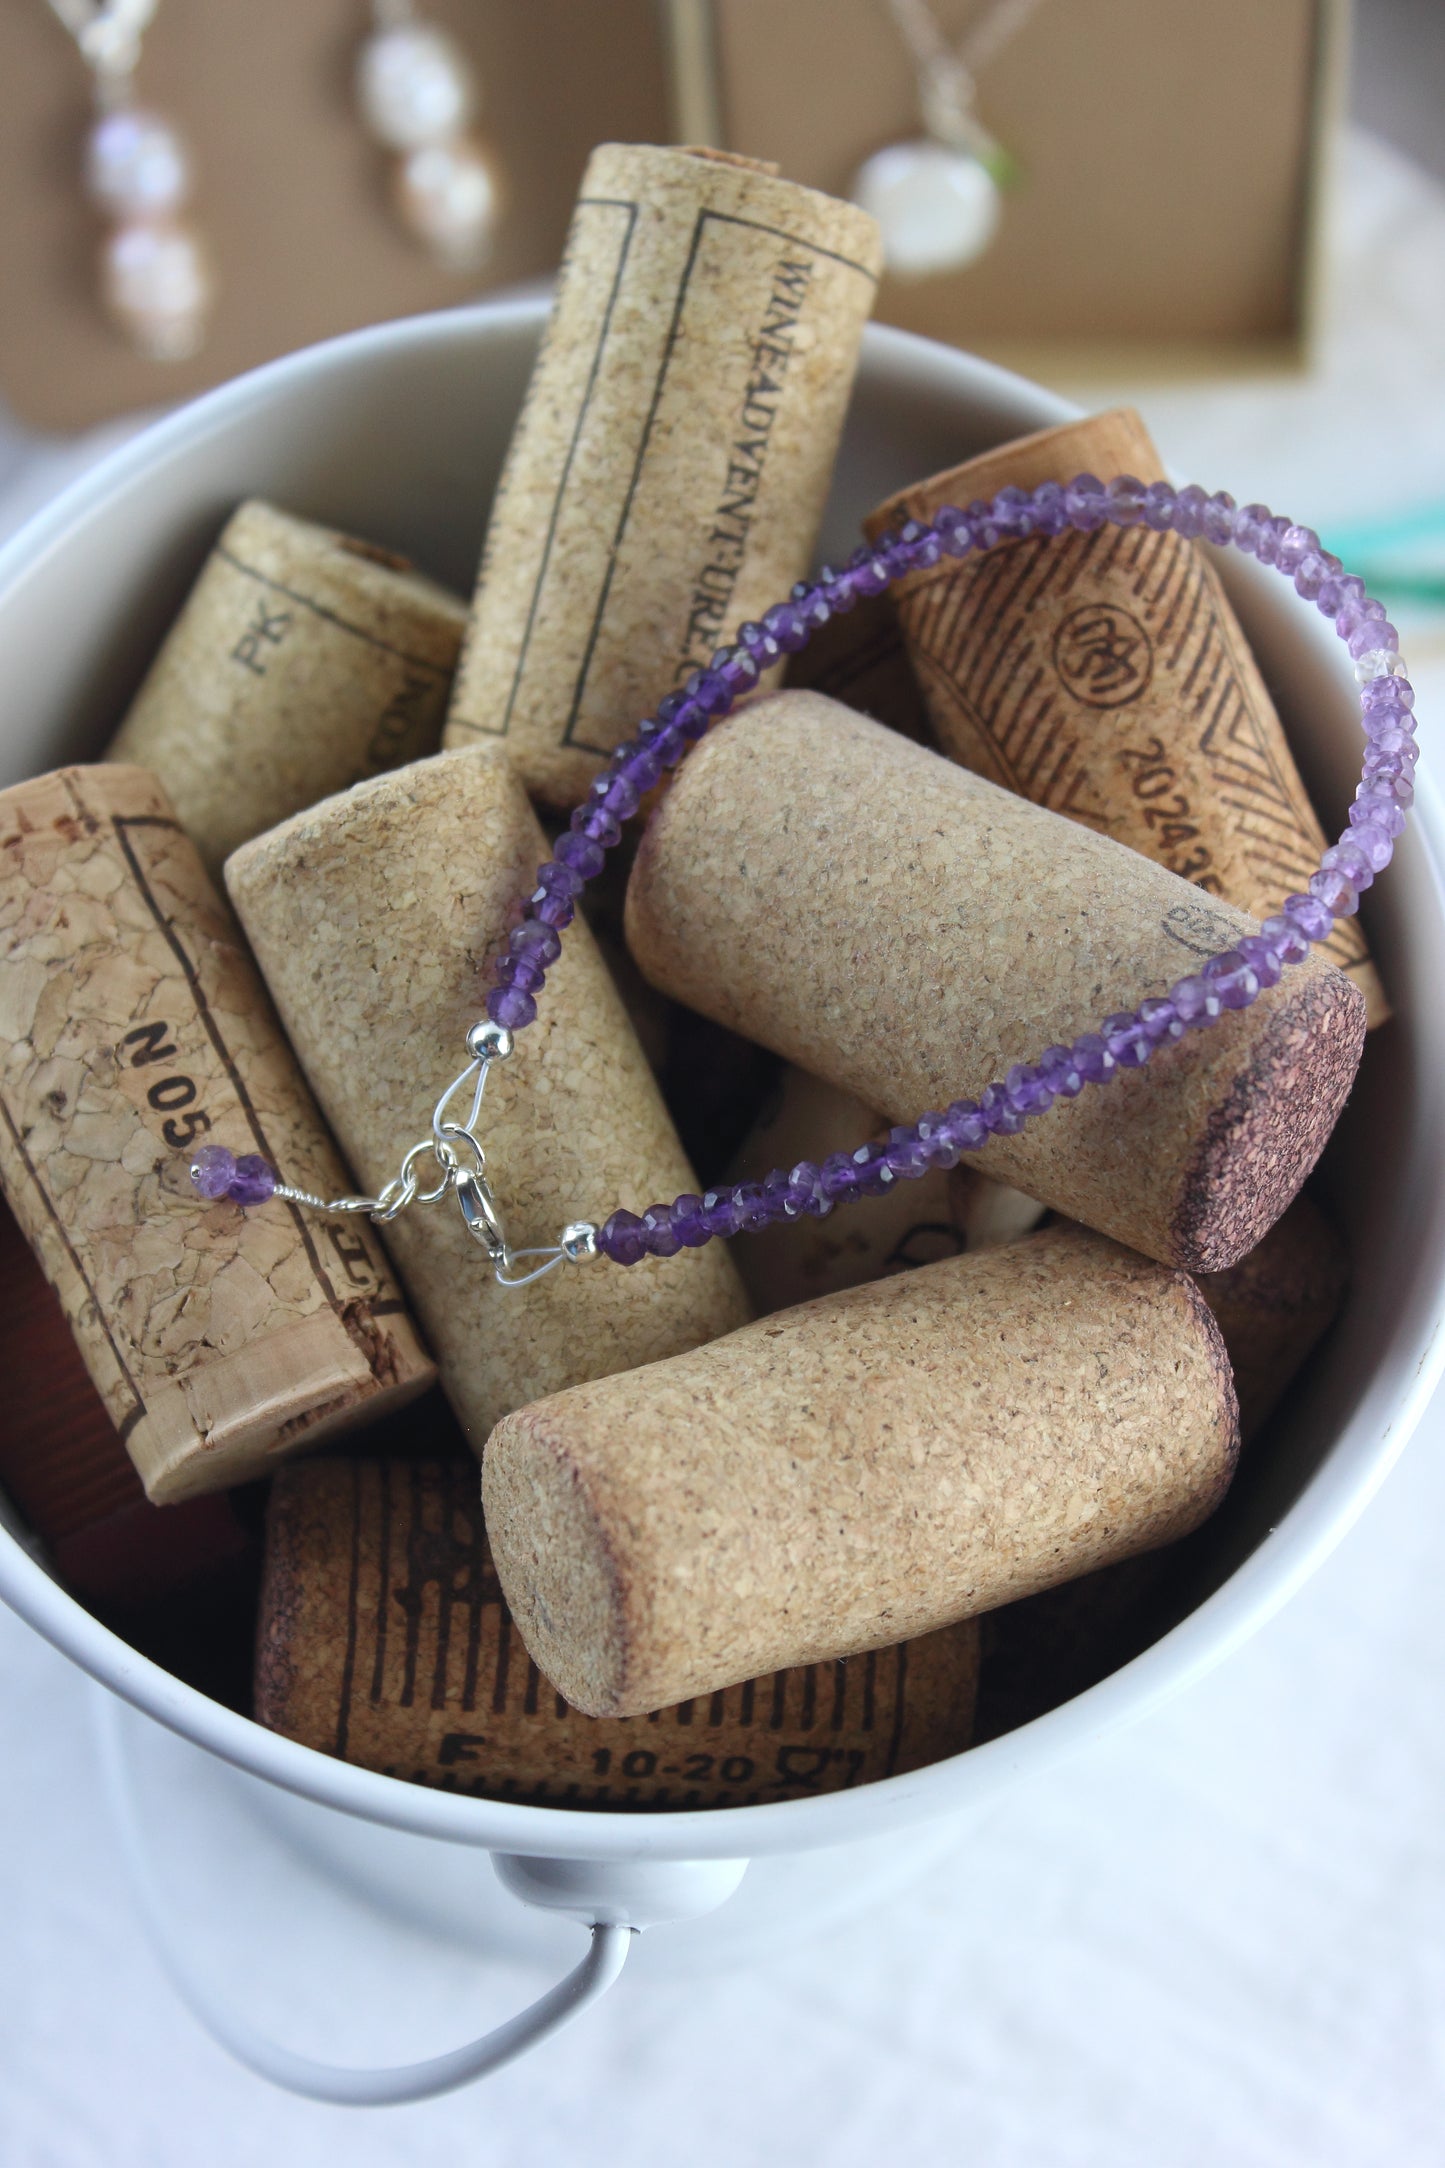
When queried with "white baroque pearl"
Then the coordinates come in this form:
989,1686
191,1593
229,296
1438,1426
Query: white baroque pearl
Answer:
448,194
938,208
136,165
157,288
414,87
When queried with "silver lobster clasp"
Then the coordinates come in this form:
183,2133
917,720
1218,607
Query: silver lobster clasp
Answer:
479,1211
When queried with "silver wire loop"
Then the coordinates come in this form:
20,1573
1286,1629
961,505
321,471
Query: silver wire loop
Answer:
456,1152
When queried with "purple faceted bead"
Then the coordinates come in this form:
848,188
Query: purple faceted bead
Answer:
950,524
659,1236
1347,859
621,1239
874,1173
585,858
1125,495
982,525
1295,544
1336,893
212,1171
872,578
777,1192
1310,576
1378,814
750,1207
1160,1019
1159,502
1387,692
1374,842
1233,978
965,1126
1262,958
1048,515
511,1007
1086,503
933,1134
1250,524
538,943
1331,596
638,769
1059,1069
1013,511
787,626
1096,1064
1127,1040
998,1110
760,644
737,669
1372,634
805,1190
1219,511
520,971
720,1212
555,879
908,1154
1310,915
841,1179
1288,940
553,911
1028,1091
688,1223
709,688
811,603
1189,508
253,1181
1196,1001
597,825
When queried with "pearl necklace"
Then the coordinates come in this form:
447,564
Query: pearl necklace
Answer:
1127,1040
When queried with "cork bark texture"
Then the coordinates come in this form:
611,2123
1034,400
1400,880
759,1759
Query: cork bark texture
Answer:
133,1026
1106,677
669,468
1276,1305
917,1223
375,917
889,920
303,661
384,1639
864,1468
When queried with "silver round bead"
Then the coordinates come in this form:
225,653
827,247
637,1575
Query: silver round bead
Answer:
487,1041
579,1241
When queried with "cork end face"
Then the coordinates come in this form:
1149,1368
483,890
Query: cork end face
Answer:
1264,1138
561,1580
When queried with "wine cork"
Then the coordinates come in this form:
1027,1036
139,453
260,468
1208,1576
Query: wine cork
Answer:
1275,1306
897,924
859,1470
64,1469
917,1223
132,1026
374,916
668,472
302,661
1105,675
384,1639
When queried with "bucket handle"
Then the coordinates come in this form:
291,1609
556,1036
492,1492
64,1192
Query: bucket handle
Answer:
335,2082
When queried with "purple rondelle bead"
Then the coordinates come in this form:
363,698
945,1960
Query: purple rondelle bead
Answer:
597,824
1159,502
908,1154
1196,1001
812,604
1096,1064
688,1223
1219,511
1377,814
787,627
1310,915
998,1110
1189,508
639,770
1125,495
874,577
520,971
933,1134
1233,978
212,1171
1295,544
510,1007
982,525
1061,1072
616,793
840,1179
760,644
1371,634
1048,515
1336,893
1263,960
1013,510
777,1194
1127,1040
1394,693
1347,859
805,1189
253,1181
720,1212
1252,521
1288,940
1028,1091
555,879
1160,1019
585,857
553,911
709,688
659,1236
620,1238
965,1125
950,524
1310,576
737,669
538,943
1086,503
1330,596
751,1208
874,1173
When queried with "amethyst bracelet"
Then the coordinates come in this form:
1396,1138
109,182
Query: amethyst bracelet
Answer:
1230,980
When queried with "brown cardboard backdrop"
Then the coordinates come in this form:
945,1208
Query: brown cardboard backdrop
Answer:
291,192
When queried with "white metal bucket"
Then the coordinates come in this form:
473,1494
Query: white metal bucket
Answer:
398,433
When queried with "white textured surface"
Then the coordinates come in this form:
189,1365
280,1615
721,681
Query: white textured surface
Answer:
1220,1939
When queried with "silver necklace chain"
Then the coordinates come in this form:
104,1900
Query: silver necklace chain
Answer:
947,73
108,32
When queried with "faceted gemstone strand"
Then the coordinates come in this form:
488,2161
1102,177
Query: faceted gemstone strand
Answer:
254,1180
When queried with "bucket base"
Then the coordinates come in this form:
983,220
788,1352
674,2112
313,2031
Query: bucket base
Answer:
274,1856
